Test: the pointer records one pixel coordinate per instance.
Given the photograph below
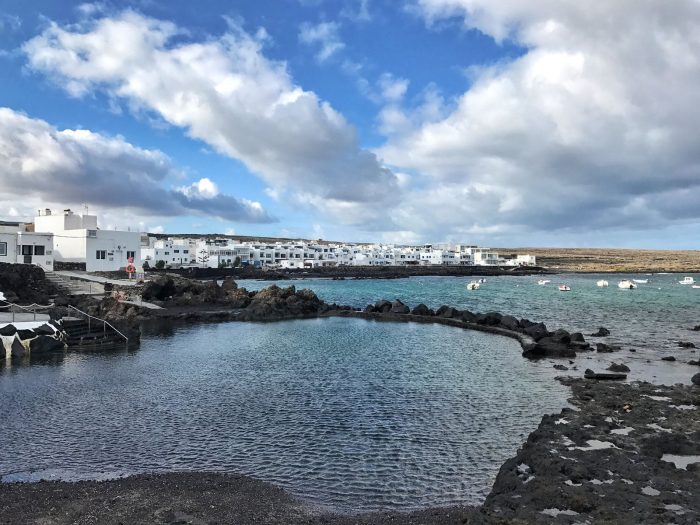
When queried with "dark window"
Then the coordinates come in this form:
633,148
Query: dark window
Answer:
176,251
39,250
3,249
185,251
27,250
101,254
130,255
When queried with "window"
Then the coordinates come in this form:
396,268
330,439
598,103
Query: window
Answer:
101,254
3,249
27,250
176,251
39,250
92,233
185,251
130,255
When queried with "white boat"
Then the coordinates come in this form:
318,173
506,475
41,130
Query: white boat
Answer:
602,283
641,281
542,282
626,285
696,286
687,280
564,288
482,280
473,286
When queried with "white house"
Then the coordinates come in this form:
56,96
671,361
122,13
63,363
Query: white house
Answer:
78,239
17,245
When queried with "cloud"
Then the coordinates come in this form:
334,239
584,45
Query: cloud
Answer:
221,90
594,127
325,36
46,165
357,11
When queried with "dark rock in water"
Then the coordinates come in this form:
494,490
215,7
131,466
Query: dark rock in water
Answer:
370,309
603,348
548,348
695,379
683,344
44,329
580,346
668,358
590,374
8,330
468,317
448,312
537,331
577,337
618,367
17,349
510,323
561,336
25,334
397,307
602,332
383,306
526,323
421,309
45,344
696,328
695,363
561,367
489,318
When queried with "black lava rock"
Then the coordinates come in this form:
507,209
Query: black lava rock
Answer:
602,332
668,358
45,344
421,309
618,367
8,330
684,344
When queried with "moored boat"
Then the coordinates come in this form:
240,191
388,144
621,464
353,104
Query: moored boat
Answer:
696,286
542,282
687,280
626,284
602,283
564,288
641,281
473,286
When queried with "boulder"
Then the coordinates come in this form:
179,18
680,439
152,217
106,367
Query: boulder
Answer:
684,344
695,363
45,344
561,336
25,284
696,328
370,309
615,376
526,323
397,307
577,337
695,379
548,348
421,309
618,367
603,348
17,350
229,285
668,358
537,331
560,367
602,332
161,288
468,317
446,311
510,323
44,329
8,330
382,306
580,346
489,319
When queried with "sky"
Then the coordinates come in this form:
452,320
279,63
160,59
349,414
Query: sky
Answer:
510,123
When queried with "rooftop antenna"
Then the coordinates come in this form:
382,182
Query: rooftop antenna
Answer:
85,207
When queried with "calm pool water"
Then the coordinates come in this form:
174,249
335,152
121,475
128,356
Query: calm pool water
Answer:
353,414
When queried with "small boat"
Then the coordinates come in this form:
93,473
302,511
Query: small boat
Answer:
542,282
473,286
641,281
626,285
482,281
564,288
687,280
602,283
696,286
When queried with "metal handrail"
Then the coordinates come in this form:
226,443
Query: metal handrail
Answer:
103,321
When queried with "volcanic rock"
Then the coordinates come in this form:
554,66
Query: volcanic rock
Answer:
537,331
397,307
17,350
8,330
45,344
618,367
422,309
668,358
602,332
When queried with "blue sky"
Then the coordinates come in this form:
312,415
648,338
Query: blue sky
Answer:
361,120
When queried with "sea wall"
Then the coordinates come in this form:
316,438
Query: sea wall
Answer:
24,338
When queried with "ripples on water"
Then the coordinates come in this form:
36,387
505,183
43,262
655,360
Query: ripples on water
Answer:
348,413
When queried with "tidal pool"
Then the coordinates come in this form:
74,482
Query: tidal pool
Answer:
346,413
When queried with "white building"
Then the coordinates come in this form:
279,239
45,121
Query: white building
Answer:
77,239
17,245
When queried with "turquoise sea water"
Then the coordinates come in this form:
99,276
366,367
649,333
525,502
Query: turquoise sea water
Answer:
653,317
348,413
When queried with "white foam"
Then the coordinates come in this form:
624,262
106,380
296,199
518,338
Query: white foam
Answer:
683,407
598,482
556,512
622,431
561,421
659,428
657,398
650,491
595,444
679,461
